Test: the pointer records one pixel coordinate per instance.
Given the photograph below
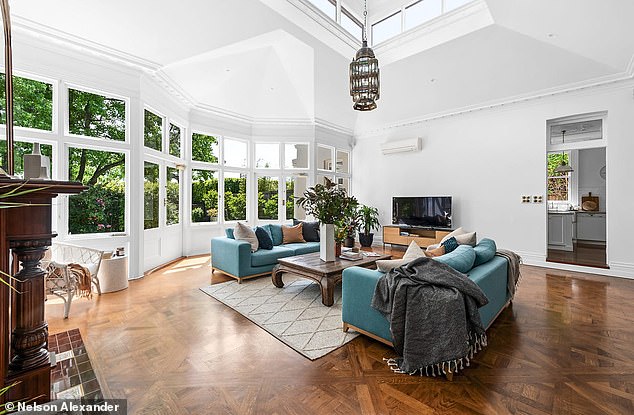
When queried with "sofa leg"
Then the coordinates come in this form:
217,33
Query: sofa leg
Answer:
346,327
239,280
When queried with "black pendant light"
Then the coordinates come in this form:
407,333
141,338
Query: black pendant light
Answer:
563,168
364,73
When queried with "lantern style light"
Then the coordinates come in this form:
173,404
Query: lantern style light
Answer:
364,74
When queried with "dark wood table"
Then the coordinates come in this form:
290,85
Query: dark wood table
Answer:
326,274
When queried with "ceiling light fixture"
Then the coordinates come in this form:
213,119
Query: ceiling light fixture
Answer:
364,73
564,167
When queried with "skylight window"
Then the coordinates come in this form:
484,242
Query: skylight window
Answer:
386,28
326,6
346,19
422,12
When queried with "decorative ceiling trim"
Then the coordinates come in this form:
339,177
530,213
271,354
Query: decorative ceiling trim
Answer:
612,80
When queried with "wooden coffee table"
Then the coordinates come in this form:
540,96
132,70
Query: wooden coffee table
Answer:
326,274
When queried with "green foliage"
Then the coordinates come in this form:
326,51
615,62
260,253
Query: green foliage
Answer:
290,199
369,219
32,103
557,184
204,148
172,195
152,131
95,115
175,140
555,160
268,198
150,196
21,148
204,196
236,198
328,203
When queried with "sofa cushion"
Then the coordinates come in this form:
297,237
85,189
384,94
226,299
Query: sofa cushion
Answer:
276,233
310,230
413,252
265,257
450,245
485,251
292,234
453,233
244,233
468,238
302,248
264,238
435,252
461,259
229,233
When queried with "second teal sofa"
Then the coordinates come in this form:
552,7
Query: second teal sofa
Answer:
235,258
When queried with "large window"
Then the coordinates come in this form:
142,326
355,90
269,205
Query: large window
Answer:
351,24
95,115
295,156
32,103
152,130
235,196
172,196
268,189
151,196
235,153
295,187
101,208
386,28
267,156
558,184
421,12
204,196
205,148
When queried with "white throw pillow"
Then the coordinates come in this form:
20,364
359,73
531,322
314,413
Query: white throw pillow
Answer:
455,233
466,239
244,233
413,252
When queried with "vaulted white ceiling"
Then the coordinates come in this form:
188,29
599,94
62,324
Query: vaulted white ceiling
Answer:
274,59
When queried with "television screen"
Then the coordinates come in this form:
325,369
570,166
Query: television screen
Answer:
432,211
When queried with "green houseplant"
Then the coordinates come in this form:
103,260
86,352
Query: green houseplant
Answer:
329,204
368,222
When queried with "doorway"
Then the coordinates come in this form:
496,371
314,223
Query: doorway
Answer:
577,192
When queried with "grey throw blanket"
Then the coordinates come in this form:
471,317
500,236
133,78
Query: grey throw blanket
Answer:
513,273
434,317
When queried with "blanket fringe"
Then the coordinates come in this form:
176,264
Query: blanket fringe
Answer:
476,343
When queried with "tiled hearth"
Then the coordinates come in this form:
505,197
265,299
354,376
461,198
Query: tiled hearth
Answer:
73,377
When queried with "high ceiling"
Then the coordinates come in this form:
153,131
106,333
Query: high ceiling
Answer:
272,59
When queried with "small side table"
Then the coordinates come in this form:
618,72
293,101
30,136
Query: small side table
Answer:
113,274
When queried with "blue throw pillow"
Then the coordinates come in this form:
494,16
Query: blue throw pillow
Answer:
229,232
461,259
276,234
264,240
485,251
450,245
310,230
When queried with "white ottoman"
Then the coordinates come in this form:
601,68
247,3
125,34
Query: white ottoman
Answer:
113,274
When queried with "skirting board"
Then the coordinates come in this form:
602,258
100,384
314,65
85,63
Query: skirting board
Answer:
617,269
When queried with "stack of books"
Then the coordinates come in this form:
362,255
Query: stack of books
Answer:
351,256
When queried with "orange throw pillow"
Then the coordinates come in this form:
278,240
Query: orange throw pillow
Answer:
292,234
436,252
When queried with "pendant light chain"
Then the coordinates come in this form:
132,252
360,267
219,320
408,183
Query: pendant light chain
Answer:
365,20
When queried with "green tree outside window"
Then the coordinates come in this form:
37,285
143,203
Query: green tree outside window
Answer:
96,115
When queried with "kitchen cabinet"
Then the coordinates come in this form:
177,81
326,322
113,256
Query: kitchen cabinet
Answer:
560,229
591,226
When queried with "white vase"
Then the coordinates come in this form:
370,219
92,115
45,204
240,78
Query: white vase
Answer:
327,242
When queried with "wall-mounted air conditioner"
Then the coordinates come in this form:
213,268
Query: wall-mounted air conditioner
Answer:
401,146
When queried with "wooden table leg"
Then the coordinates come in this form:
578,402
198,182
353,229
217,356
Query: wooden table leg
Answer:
327,292
276,276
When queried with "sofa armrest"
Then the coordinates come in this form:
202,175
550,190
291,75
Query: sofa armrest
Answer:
358,285
230,255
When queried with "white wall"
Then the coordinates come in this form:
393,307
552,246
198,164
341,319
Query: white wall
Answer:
487,159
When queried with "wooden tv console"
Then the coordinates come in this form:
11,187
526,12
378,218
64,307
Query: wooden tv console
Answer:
423,237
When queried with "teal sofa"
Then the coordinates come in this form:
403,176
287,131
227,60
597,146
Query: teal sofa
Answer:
234,258
490,272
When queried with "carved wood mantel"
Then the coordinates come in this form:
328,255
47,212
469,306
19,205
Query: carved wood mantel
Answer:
25,234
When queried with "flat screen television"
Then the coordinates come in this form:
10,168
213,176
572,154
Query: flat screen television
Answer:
428,212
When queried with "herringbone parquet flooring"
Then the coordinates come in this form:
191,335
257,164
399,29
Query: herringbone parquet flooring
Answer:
566,346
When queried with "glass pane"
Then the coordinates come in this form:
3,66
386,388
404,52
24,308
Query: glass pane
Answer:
295,156
555,160
235,196
21,148
175,140
351,26
101,208
32,103
95,115
150,196
267,156
386,29
576,132
153,131
268,197
235,154
422,12
172,196
295,187
205,148
344,183
204,196
343,161
327,7
324,158
454,4
321,179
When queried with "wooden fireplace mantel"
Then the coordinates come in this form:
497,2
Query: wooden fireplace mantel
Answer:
25,234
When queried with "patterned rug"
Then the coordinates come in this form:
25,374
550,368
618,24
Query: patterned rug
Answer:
293,314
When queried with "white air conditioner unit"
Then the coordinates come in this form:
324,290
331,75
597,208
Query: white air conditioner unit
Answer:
401,146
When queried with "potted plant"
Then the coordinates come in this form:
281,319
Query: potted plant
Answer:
351,224
369,221
329,204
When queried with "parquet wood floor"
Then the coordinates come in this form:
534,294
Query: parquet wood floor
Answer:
566,346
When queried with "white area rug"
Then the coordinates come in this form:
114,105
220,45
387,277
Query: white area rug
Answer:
293,314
